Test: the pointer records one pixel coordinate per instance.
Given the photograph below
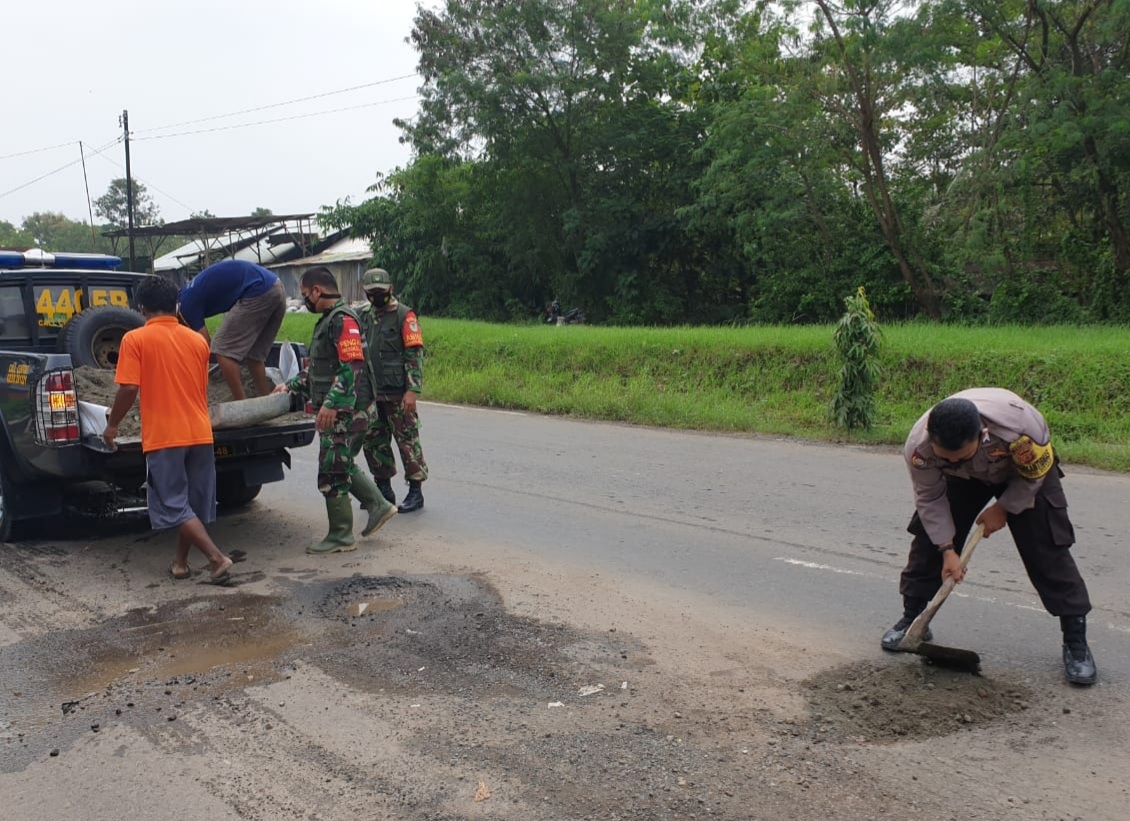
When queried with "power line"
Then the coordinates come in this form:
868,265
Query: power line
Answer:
37,150
89,207
97,151
223,116
277,105
148,184
278,119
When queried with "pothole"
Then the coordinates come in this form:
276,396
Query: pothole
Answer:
367,596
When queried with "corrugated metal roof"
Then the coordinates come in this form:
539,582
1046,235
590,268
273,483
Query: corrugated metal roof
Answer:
206,225
348,249
192,254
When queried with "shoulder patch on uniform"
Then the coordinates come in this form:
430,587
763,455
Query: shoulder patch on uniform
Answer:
1032,461
410,332
918,460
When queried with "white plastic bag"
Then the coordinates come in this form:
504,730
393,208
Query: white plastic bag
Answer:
289,365
92,418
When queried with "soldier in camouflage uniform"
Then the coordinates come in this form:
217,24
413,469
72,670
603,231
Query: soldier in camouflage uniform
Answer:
396,351
339,384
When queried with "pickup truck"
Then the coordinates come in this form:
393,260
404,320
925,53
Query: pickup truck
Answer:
62,311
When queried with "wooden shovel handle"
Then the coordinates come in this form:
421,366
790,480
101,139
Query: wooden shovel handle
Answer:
918,628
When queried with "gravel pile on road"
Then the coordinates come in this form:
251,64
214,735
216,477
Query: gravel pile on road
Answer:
97,386
875,702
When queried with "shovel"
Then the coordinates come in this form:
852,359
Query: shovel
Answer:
947,656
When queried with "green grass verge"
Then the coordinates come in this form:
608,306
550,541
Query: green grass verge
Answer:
780,380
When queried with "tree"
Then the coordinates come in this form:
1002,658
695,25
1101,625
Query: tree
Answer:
202,215
13,237
113,206
262,212
663,161
571,111
867,91
56,232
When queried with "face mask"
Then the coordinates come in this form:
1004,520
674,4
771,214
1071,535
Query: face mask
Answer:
379,299
312,305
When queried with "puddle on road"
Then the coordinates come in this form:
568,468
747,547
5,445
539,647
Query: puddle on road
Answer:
438,634
372,606
188,638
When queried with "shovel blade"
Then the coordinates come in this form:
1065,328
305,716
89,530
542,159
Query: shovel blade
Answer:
951,657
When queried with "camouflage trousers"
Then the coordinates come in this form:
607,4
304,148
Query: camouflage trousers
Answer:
338,448
391,421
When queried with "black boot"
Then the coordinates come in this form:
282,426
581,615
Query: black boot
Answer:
1078,662
414,500
911,607
385,486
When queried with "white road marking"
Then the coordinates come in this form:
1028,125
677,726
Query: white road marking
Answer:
828,567
986,599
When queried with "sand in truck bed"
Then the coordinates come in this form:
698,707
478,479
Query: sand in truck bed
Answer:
96,385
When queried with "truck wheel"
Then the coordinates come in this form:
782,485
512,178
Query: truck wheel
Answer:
232,491
93,337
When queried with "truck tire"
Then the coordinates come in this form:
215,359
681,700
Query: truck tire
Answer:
232,491
93,337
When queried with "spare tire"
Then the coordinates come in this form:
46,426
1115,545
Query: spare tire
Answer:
93,337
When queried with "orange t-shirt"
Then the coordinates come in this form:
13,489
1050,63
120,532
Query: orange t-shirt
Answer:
169,363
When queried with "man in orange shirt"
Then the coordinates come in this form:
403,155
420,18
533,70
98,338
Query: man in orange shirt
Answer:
168,364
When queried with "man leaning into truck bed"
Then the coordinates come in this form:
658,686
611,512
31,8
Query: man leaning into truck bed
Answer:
254,303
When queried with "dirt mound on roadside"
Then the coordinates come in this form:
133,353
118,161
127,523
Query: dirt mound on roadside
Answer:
872,701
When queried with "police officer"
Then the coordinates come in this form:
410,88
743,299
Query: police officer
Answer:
988,445
396,350
338,382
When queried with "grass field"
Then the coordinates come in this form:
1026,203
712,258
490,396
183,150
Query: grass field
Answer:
780,380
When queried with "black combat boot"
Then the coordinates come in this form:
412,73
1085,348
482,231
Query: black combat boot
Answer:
385,486
1078,662
414,500
911,607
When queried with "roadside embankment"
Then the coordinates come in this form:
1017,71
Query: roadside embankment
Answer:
780,380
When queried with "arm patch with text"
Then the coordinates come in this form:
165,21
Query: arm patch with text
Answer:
410,333
1032,461
349,347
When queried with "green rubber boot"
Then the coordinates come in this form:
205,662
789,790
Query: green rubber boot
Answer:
372,501
339,539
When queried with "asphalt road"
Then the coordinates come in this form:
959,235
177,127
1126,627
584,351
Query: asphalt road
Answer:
726,580
803,536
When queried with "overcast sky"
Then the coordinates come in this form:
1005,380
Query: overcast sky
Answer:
72,66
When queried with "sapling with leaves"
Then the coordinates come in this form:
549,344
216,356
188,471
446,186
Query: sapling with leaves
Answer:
857,338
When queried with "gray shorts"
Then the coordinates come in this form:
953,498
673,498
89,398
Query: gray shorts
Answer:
250,327
181,485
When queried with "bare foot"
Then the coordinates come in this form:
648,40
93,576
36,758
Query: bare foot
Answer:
221,567
180,571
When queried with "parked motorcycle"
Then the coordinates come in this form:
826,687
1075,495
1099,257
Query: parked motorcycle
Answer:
555,316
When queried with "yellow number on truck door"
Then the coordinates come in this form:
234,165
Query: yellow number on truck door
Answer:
55,304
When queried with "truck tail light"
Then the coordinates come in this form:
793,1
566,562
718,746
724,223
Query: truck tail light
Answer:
56,419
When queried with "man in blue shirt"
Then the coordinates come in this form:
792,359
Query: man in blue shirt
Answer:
254,303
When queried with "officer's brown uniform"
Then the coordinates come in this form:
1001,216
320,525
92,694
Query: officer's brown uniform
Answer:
1015,464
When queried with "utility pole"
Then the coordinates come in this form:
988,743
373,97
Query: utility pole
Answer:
129,191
